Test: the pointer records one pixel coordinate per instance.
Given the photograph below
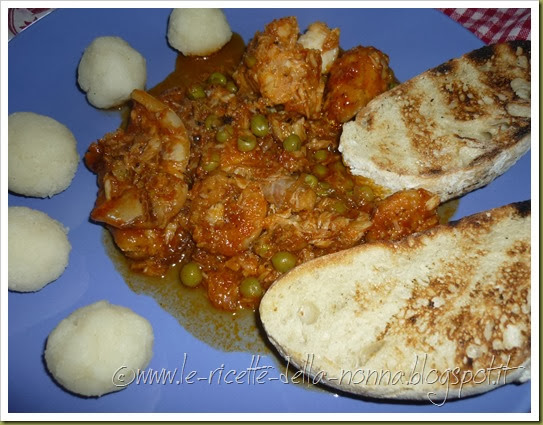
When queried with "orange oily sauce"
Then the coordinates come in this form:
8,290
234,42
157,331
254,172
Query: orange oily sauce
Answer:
193,69
223,330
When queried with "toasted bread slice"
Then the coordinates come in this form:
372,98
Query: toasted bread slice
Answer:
451,129
438,315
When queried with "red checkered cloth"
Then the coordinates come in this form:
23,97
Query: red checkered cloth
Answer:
494,25
19,19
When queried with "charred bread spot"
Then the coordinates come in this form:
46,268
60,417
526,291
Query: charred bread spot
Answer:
483,222
442,69
525,45
420,132
482,55
368,121
487,156
463,100
522,132
501,84
523,209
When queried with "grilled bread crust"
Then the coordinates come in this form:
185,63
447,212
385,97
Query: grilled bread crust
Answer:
438,315
451,129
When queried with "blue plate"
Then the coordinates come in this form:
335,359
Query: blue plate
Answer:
42,79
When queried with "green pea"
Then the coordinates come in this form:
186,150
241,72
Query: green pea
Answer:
217,78
231,87
311,180
262,249
338,166
339,207
224,134
283,261
212,163
320,171
364,192
191,275
292,143
321,155
250,287
259,125
324,189
246,143
212,121
196,92
250,61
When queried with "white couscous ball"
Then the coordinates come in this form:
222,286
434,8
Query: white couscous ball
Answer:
38,249
198,32
109,70
98,348
42,155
